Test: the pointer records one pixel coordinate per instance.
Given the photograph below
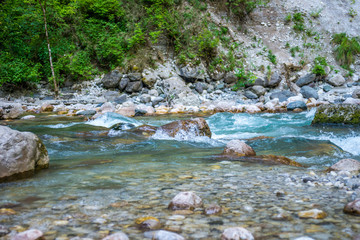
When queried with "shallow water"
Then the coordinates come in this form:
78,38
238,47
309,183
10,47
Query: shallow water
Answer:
92,168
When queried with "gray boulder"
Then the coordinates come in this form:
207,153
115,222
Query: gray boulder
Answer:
86,113
297,104
274,80
327,88
230,78
192,74
336,80
157,100
185,201
123,83
199,87
346,165
145,98
110,96
282,95
32,234
21,153
112,79
121,99
250,95
356,93
236,233
10,110
305,80
260,81
149,78
134,77
134,87
259,90
176,88
309,92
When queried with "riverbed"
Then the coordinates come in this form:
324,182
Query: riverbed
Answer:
100,180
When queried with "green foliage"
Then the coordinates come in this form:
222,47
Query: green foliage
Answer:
293,50
244,78
346,50
316,13
318,69
299,21
272,57
241,8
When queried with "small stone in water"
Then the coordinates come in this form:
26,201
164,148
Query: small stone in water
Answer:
313,213
148,223
304,238
31,234
185,201
117,236
236,233
119,204
3,231
353,207
7,211
213,210
163,235
61,223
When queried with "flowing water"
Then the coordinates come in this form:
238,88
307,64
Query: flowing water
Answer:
100,181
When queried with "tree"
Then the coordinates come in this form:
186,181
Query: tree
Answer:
43,8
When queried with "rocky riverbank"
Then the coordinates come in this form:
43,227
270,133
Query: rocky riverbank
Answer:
170,89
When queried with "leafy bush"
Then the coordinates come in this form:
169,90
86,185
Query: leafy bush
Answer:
272,57
346,50
244,78
298,20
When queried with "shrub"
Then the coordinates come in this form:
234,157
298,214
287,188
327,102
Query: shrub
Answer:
346,50
272,57
244,78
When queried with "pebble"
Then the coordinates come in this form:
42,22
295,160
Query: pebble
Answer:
313,213
236,233
32,234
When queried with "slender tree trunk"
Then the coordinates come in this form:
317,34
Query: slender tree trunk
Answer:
56,88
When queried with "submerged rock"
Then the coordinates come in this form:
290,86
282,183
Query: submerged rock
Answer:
32,234
313,213
237,148
353,207
196,126
236,233
117,236
337,113
346,165
185,201
213,209
271,159
21,153
148,223
163,235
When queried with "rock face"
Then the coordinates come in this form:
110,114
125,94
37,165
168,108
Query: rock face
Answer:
185,201
236,233
353,207
337,113
117,236
32,234
237,148
346,165
112,79
10,110
21,153
196,126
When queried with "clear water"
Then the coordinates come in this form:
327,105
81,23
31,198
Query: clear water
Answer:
92,168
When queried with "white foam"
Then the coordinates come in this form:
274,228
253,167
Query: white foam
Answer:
110,119
61,125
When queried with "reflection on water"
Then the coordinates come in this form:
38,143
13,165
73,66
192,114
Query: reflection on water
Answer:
91,171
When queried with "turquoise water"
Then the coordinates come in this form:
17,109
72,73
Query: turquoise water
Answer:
92,167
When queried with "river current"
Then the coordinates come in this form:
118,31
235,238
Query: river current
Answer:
100,180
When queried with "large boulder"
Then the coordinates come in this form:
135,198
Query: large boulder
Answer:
309,92
21,153
112,79
192,74
237,148
135,86
353,207
259,90
346,165
274,80
10,110
176,88
296,104
230,78
163,235
356,93
32,234
282,95
305,80
185,201
195,126
149,78
337,113
236,233
337,80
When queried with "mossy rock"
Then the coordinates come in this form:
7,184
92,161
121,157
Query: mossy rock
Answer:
337,114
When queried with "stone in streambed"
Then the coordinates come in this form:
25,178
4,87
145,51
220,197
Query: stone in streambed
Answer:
117,236
144,130
213,210
148,223
32,234
271,159
3,231
296,104
236,233
237,148
313,213
163,235
353,207
337,113
185,201
196,126
21,153
10,110
345,165
7,211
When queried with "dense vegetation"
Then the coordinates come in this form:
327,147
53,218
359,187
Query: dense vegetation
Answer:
91,36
